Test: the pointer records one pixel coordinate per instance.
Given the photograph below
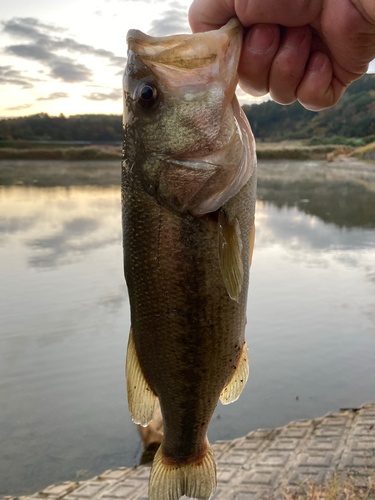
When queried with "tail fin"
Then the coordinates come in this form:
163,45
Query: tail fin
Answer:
171,482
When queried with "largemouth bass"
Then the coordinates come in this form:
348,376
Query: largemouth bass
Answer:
188,194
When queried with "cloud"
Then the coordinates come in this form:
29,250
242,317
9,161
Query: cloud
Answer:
114,95
19,107
54,96
61,68
10,76
29,27
173,21
45,45
70,72
30,51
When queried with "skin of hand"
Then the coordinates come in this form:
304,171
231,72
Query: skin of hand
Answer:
305,50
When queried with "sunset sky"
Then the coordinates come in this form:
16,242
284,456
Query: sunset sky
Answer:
68,57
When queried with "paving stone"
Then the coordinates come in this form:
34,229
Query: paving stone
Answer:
234,457
284,444
363,445
260,433
368,422
141,473
59,491
260,476
219,494
273,459
365,432
336,421
320,444
357,461
91,489
226,475
115,474
306,476
250,445
294,432
329,432
301,423
315,460
244,495
127,490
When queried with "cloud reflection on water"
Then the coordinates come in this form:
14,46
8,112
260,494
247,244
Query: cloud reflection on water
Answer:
57,225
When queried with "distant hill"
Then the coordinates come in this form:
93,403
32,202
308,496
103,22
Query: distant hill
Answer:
352,116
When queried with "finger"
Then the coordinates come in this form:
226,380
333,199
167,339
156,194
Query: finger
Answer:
319,88
259,48
349,36
205,15
288,65
211,14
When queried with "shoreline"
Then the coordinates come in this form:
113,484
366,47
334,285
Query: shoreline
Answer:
286,150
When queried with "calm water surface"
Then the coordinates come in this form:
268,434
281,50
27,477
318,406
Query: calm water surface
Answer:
64,313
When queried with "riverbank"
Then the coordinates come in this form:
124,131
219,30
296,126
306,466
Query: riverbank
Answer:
268,464
285,150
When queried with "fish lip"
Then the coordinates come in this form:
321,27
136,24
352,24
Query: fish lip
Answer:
199,49
135,37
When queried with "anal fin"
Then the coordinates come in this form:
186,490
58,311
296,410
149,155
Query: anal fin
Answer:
230,255
141,398
232,391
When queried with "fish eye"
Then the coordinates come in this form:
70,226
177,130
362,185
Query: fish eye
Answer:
147,95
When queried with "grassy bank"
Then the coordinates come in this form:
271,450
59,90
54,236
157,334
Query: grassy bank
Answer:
265,151
61,153
285,150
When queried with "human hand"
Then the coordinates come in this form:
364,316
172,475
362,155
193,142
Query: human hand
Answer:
309,50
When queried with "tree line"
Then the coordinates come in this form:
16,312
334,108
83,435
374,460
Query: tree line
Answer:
352,116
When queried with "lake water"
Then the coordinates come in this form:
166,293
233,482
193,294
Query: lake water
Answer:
64,312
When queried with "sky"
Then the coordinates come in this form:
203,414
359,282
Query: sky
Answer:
68,57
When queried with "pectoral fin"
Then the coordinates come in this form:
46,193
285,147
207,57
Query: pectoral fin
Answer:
230,255
232,391
141,398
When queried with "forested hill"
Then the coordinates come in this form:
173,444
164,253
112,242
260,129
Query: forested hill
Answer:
42,127
352,116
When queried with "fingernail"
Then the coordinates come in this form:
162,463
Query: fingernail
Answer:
316,61
261,38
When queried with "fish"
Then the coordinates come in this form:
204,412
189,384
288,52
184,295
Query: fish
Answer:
188,200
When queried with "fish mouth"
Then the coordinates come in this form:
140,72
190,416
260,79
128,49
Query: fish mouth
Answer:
197,56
